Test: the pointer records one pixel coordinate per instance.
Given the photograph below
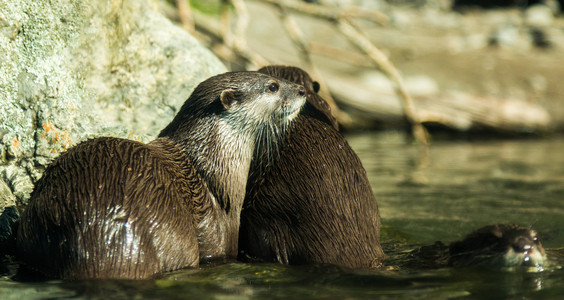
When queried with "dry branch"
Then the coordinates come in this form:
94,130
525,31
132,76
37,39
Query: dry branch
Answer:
355,36
236,44
331,13
345,56
186,17
239,41
361,41
297,37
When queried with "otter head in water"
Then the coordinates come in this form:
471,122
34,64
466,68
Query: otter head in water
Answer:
501,245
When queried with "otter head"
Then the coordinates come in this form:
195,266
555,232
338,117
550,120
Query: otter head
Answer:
262,101
224,119
502,245
243,101
316,106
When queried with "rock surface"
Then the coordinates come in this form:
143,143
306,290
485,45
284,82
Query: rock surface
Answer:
71,70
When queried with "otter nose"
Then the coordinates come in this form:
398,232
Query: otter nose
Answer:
522,245
302,91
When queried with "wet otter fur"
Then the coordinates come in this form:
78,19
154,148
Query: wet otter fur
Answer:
311,203
115,208
100,207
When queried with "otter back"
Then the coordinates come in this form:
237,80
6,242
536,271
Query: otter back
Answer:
111,208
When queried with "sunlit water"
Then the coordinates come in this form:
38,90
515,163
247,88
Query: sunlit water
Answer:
455,188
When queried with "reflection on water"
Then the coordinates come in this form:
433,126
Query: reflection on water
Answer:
459,187
272,281
464,185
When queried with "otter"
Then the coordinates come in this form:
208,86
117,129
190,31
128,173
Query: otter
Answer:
116,208
500,245
493,246
312,202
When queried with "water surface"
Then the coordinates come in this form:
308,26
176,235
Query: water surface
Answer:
459,186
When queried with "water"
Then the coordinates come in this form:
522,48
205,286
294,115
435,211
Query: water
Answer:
459,186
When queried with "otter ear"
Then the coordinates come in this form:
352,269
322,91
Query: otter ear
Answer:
227,98
316,87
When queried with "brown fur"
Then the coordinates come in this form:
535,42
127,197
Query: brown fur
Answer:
312,203
114,208
95,213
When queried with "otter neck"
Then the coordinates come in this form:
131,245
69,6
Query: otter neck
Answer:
222,156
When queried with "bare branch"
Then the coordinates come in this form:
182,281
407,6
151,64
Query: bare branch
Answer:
338,54
355,36
298,38
331,13
360,40
240,42
225,24
185,14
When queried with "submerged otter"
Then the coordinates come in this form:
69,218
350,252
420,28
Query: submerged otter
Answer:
115,208
492,246
312,202
502,245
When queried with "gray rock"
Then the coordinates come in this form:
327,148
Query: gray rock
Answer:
72,70
7,198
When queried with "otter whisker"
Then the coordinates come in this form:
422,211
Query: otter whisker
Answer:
274,137
258,148
261,143
269,138
258,142
268,142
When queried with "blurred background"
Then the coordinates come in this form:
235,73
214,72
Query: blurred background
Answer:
467,66
483,77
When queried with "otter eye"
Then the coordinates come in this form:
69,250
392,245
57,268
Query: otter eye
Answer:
316,86
273,87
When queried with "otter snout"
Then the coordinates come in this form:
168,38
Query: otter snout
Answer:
293,98
301,94
302,91
295,91
528,250
523,245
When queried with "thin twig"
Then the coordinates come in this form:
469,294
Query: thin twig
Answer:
298,38
186,17
225,24
341,17
345,56
360,40
217,36
240,43
331,13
